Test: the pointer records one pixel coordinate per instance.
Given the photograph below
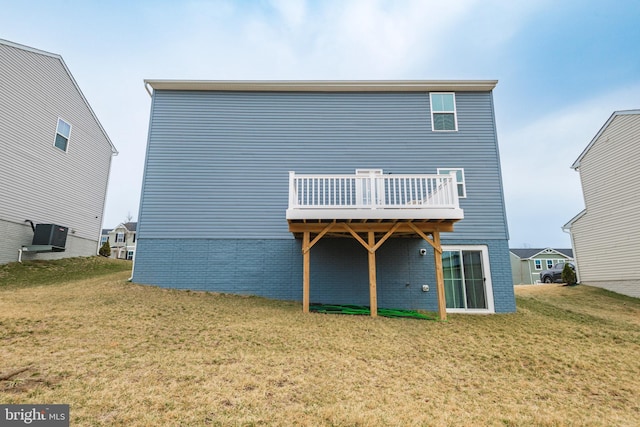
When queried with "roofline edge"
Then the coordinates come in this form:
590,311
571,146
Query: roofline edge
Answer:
323,85
576,164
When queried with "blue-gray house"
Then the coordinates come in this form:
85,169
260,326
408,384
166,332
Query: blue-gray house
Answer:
377,193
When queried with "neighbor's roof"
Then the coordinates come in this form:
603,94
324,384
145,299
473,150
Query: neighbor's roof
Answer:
131,226
59,58
530,253
615,114
324,85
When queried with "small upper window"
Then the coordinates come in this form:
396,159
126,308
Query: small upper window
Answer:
119,237
538,264
443,112
462,189
63,132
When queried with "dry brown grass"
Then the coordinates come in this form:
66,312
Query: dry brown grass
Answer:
123,354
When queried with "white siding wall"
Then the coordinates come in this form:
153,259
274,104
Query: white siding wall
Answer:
39,181
14,233
607,237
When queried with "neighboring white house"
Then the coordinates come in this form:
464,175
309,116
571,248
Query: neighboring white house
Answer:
122,240
55,158
606,234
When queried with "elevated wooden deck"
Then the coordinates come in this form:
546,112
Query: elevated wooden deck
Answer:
372,207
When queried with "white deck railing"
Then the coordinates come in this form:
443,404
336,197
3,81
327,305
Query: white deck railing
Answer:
372,191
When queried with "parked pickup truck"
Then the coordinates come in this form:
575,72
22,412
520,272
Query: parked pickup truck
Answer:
554,274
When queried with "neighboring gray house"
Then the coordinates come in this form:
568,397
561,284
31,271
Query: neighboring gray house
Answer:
122,240
55,157
526,264
610,180
378,193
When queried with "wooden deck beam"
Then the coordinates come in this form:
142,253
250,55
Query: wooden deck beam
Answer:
437,255
373,291
377,227
305,275
354,229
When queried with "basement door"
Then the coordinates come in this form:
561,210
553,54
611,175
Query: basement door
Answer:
467,279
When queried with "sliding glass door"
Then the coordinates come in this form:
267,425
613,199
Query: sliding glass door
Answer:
467,281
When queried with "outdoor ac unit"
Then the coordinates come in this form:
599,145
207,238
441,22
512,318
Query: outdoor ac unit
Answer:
50,234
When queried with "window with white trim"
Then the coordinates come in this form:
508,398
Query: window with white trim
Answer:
443,111
104,239
129,255
462,188
63,133
549,264
538,264
120,238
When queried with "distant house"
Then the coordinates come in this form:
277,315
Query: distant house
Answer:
122,240
610,223
55,158
377,193
104,236
526,264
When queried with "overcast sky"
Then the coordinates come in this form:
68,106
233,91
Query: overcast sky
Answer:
563,68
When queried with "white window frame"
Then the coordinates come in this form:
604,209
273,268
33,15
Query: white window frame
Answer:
454,112
459,184
537,264
488,285
68,138
104,239
130,254
120,237
549,261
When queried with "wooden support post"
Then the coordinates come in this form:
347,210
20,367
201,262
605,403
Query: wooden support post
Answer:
437,254
373,292
305,275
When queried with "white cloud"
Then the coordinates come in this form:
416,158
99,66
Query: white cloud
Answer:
292,11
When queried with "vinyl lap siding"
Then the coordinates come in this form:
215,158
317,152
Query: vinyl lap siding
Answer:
39,181
217,162
611,225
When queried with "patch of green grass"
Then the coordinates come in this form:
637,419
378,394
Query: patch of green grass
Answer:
38,273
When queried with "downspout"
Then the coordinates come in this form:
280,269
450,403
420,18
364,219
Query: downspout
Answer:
575,254
33,227
149,90
144,174
146,87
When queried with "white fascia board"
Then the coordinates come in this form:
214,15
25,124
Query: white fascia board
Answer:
615,114
569,224
325,85
547,249
373,214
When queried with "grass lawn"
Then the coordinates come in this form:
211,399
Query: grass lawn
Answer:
131,355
